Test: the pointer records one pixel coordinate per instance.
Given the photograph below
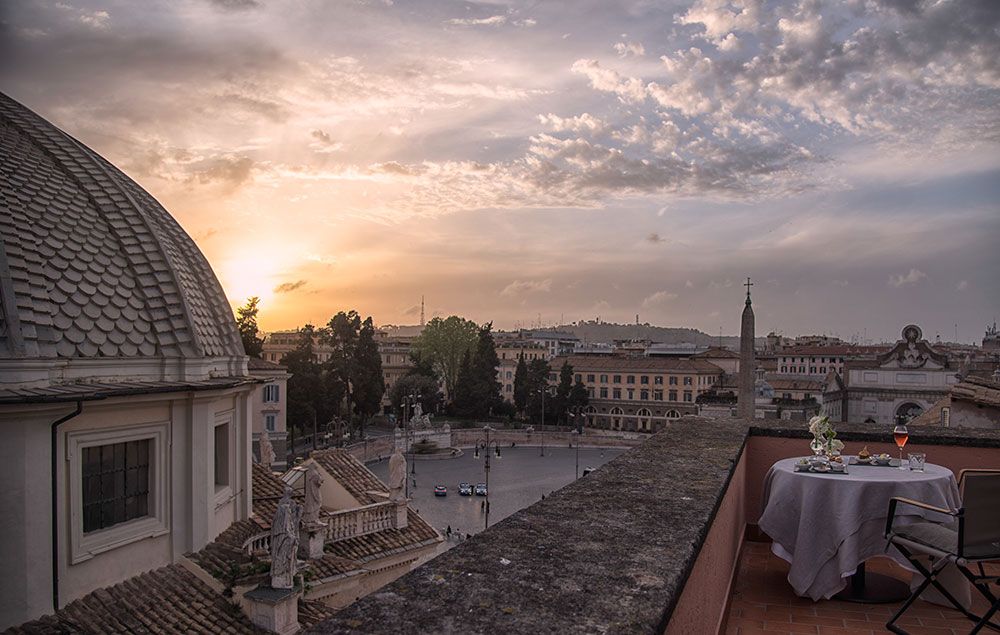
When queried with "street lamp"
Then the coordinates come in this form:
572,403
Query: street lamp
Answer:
486,446
541,424
408,402
577,435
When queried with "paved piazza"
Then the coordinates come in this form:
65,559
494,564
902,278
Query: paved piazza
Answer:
519,478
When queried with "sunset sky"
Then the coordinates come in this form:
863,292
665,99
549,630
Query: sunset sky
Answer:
569,159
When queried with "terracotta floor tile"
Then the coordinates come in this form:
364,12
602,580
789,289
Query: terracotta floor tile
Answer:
762,596
798,629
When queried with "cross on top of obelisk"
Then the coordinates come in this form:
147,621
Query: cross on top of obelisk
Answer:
748,284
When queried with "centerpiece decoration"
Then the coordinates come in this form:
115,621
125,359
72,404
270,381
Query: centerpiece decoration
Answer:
825,441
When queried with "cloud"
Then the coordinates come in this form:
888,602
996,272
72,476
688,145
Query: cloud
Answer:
581,123
523,287
657,299
495,20
624,49
235,5
95,19
655,238
227,170
288,287
913,277
412,311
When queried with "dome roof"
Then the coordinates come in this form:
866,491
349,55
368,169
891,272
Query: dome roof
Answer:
91,266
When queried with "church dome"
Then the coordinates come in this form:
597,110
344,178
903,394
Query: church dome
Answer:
93,267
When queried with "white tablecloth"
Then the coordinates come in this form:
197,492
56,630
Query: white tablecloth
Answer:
825,525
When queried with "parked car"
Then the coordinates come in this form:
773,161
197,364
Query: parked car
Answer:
440,490
481,489
464,489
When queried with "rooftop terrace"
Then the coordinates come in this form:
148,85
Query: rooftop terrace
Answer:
654,541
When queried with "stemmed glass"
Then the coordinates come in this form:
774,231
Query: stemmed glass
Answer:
900,434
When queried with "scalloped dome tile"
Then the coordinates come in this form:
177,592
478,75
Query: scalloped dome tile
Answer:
85,244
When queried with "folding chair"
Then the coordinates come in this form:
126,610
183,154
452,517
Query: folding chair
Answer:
972,539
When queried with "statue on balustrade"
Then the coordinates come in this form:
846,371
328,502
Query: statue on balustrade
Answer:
314,500
266,450
285,542
397,476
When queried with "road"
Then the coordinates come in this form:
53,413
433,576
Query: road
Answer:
519,478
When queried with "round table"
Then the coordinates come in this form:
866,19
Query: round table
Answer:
827,525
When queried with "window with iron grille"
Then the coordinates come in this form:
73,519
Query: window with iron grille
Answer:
115,483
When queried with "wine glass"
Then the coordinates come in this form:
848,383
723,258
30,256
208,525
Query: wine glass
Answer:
900,435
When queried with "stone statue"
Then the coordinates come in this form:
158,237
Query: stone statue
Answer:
314,500
417,411
285,542
397,475
266,449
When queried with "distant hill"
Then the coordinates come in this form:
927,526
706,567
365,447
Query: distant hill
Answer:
609,331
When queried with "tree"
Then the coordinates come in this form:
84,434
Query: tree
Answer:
538,381
486,387
355,360
560,402
477,391
578,399
246,322
314,394
464,398
416,384
369,382
443,343
521,384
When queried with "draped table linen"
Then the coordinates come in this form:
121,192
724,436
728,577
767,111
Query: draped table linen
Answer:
825,525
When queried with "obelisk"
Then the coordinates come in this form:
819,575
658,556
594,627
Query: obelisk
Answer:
745,402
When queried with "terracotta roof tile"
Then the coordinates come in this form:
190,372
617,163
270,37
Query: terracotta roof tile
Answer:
378,544
312,612
167,600
357,479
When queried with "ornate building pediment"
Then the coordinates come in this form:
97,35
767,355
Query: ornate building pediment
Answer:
913,352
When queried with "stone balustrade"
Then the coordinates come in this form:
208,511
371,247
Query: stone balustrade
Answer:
350,523
258,543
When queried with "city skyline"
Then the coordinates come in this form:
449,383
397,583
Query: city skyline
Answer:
512,159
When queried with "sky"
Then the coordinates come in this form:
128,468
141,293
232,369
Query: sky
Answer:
540,161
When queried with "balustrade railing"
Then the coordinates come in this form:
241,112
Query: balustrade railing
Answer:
341,525
350,523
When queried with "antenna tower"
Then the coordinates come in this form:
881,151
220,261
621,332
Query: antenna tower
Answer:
421,310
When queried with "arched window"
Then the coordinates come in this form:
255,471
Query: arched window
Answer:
673,414
645,423
907,411
616,418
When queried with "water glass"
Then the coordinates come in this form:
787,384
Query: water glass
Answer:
917,460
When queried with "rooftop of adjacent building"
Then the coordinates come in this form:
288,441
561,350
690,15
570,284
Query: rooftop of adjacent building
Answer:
586,559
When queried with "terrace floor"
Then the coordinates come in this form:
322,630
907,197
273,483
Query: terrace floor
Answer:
764,603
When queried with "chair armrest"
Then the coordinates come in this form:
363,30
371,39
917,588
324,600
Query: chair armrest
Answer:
895,500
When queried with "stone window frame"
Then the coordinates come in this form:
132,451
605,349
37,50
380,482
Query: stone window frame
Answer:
84,546
224,492
271,393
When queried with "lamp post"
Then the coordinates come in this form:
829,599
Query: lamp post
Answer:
408,401
578,434
486,446
541,424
